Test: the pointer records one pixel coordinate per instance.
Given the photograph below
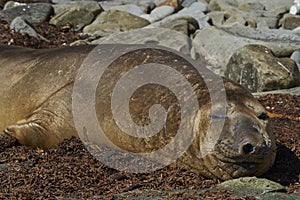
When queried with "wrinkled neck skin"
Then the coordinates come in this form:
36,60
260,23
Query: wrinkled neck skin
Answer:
245,146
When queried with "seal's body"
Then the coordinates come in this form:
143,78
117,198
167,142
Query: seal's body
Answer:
36,93
36,108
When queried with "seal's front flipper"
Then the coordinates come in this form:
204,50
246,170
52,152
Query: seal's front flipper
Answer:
49,125
33,132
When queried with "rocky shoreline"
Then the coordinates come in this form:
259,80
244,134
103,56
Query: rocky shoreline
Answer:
255,43
228,35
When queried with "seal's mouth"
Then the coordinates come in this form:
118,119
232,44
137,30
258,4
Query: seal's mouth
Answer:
226,168
242,154
240,165
245,164
248,165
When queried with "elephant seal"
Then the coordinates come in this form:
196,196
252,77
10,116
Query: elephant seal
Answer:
36,108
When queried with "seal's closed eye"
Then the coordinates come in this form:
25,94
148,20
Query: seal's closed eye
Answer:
214,116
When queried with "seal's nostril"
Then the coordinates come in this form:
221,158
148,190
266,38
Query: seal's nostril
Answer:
248,148
263,116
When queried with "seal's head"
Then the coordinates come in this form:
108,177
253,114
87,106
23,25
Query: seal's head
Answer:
246,145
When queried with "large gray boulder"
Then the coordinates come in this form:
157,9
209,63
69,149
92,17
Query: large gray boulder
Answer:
256,68
276,6
156,36
252,12
78,17
217,44
290,21
112,21
159,13
185,24
91,6
242,188
292,91
130,8
35,12
193,15
259,188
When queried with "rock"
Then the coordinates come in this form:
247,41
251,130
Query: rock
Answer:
176,4
147,5
297,30
250,11
238,19
203,5
186,25
159,13
217,18
223,5
295,9
130,8
251,5
35,12
154,194
279,196
250,186
102,30
256,68
78,43
243,188
20,25
186,21
196,11
12,4
106,5
156,36
217,44
281,42
114,20
4,165
125,20
193,11
293,91
91,6
277,7
66,1
187,3
78,17
290,21
296,57
136,2
262,25
259,188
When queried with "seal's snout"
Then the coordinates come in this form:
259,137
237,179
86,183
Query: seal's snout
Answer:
252,136
250,149
247,148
